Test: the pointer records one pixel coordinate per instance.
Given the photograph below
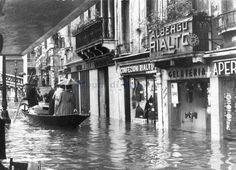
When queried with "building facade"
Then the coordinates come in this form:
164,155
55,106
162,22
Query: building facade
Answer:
136,71
177,73
222,64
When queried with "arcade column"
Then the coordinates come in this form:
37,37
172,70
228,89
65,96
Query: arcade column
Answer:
216,125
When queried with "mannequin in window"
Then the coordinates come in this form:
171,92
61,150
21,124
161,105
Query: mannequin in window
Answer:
149,108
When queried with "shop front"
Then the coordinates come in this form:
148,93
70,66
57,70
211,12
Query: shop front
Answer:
177,49
93,84
189,90
225,71
140,92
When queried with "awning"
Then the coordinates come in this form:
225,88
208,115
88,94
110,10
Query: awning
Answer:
220,52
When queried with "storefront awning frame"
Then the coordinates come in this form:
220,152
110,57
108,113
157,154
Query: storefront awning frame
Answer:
220,52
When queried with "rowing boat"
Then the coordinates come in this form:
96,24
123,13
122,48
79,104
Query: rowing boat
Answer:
40,117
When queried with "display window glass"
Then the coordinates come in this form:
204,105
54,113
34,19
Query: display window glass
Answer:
142,98
228,99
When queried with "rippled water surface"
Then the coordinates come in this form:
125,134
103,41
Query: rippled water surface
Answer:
102,144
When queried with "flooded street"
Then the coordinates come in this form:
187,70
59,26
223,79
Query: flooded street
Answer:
102,144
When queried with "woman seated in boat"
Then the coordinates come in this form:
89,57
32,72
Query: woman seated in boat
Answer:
67,103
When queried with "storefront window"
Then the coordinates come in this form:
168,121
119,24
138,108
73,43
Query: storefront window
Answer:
229,106
142,103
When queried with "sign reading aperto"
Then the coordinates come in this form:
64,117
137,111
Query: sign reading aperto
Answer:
227,67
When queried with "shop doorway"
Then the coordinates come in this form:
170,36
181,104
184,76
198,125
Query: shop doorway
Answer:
103,92
190,113
85,91
127,99
141,103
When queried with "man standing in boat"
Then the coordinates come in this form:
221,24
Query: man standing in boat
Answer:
67,103
31,93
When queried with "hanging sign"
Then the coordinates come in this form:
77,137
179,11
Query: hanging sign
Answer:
174,94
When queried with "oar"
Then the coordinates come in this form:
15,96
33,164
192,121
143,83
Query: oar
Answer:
17,111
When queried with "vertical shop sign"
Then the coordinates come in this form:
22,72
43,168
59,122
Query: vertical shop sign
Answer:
174,94
228,109
132,82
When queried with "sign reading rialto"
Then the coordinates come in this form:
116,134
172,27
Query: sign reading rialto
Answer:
147,67
225,67
171,38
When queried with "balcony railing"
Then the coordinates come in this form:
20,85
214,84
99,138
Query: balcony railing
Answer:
95,30
227,21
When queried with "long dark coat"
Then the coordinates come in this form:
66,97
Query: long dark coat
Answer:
67,103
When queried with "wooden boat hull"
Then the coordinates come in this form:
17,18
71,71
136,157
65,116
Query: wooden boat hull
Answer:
71,121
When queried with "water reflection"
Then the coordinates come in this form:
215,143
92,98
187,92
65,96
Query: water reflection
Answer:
102,144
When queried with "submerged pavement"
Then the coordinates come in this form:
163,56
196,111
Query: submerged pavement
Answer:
110,144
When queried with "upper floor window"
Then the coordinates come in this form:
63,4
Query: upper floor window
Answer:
45,44
59,41
178,8
98,10
228,5
89,14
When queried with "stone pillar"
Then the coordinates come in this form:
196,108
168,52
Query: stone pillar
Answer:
216,124
165,114
110,17
159,100
5,115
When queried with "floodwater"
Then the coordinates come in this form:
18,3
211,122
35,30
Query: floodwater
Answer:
109,144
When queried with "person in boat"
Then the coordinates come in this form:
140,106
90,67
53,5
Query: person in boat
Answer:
32,95
39,95
49,99
67,103
56,96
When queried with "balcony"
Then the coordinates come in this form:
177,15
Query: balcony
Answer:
227,22
98,31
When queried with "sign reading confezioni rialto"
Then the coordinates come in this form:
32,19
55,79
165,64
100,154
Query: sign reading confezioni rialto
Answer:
173,38
145,67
